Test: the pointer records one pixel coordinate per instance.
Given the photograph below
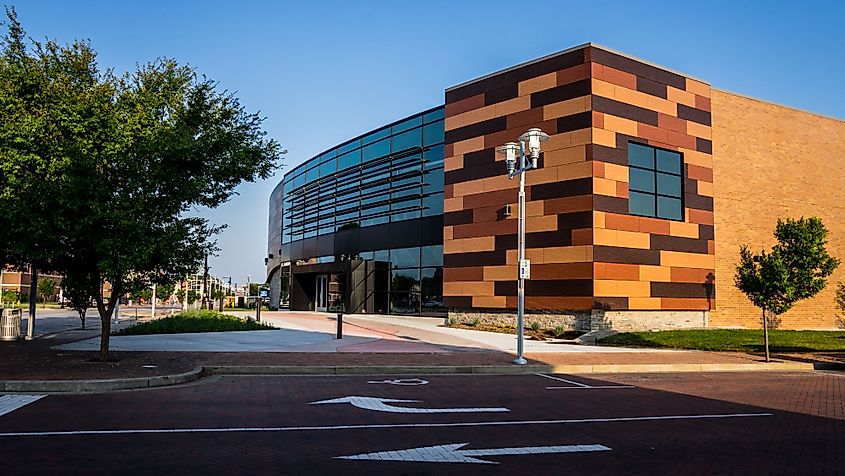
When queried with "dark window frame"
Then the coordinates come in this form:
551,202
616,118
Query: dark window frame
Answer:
654,171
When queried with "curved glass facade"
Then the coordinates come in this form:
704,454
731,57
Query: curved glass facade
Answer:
376,201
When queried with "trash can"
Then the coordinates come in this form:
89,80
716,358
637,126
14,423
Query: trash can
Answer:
10,324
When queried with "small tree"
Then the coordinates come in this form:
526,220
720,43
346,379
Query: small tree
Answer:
192,296
797,268
164,291
77,295
46,289
840,304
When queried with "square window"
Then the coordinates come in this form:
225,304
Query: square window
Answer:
655,182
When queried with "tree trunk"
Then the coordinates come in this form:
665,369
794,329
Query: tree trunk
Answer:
766,334
106,310
82,318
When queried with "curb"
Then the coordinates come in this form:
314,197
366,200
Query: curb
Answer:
108,385
659,368
378,370
104,385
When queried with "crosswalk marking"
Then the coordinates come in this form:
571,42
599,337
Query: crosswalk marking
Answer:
10,403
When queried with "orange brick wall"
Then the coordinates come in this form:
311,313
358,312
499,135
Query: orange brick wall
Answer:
773,162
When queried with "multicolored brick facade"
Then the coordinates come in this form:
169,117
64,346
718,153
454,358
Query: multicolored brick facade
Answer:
586,250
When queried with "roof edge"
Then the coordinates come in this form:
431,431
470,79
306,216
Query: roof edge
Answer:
569,50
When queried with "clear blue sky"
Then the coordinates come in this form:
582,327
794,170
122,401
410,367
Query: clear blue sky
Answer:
323,72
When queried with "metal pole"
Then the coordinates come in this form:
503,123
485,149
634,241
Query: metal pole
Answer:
520,311
153,312
258,307
340,325
33,296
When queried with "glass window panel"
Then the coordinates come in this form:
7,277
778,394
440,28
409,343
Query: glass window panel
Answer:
405,257
407,140
404,126
433,181
408,192
374,151
669,208
433,205
669,185
366,255
668,161
327,168
641,203
436,115
349,159
381,255
351,225
642,180
433,133
298,181
375,221
432,255
349,146
405,280
407,215
434,154
640,155
405,303
377,135
311,175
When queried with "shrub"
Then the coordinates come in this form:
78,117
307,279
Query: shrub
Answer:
196,320
840,304
559,330
475,322
535,326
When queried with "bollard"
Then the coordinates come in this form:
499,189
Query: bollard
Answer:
340,325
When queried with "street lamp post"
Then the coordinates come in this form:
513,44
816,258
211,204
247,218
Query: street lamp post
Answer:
517,164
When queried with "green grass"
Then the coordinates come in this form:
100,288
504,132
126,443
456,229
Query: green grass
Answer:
194,321
742,340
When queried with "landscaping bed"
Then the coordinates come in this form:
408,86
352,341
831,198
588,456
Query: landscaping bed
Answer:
530,333
194,321
741,340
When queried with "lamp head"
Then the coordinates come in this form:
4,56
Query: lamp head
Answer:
533,137
509,150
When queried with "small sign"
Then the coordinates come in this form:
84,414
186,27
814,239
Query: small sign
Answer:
525,269
263,293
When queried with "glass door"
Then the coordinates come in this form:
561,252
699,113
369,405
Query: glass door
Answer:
321,297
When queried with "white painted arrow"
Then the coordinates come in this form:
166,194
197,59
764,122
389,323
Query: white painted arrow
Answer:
380,405
452,454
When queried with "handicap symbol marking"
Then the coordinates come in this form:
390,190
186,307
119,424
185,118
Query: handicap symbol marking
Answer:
453,453
381,405
402,381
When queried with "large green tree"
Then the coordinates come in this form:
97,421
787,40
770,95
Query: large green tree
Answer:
99,171
796,268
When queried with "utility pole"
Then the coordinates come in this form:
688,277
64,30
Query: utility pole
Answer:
153,312
205,284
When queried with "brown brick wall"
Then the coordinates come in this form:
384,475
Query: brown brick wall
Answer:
773,162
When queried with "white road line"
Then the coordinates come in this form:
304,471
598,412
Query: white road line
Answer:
10,403
563,380
383,426
590,388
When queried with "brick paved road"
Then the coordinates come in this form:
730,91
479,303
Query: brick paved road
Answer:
726,423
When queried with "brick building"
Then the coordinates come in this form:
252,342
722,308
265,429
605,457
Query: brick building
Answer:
647,186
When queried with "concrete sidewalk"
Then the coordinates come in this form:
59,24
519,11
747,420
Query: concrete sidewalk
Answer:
316,332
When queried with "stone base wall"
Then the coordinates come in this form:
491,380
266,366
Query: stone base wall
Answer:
586,321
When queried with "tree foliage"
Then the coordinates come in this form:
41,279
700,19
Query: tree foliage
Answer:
796,268
104,169
77,294
840,305
164,291
46,289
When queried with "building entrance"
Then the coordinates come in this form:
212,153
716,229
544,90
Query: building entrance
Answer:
321,295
